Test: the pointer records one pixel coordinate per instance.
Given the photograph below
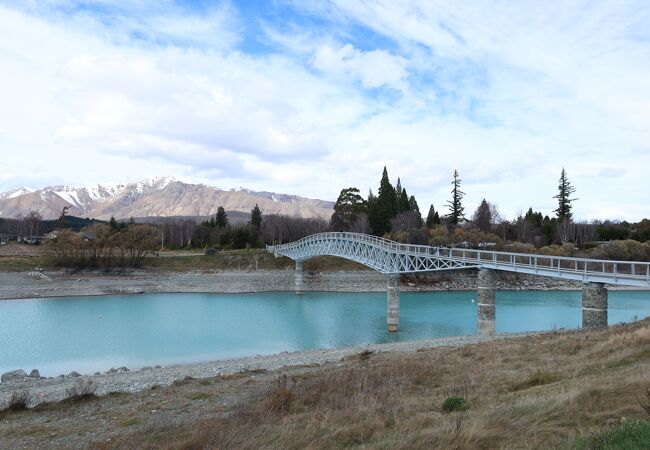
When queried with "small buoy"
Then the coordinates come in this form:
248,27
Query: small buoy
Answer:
99,316
472,300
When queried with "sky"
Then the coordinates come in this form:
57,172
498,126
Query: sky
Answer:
308,97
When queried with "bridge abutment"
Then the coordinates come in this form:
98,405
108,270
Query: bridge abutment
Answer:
486,301
392,302
299,277
594,306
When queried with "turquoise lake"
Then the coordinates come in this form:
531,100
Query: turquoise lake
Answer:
89,334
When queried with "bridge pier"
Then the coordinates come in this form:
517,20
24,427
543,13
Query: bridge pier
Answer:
486,301
594,306
299,277
392,302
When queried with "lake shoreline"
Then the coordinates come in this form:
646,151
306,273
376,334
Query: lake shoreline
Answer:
124,380
46,284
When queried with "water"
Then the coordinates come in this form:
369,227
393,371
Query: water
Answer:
90,334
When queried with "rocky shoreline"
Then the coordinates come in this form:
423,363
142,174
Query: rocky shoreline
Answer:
123,380
43,284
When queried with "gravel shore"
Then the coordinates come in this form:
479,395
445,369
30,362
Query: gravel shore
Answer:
40,284
124,380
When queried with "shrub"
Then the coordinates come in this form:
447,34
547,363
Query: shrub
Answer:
210,251
454,403
281,397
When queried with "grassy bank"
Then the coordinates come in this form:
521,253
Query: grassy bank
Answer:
183,261
559,390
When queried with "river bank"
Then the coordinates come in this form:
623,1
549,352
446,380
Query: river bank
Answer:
123,380
535,391
60,283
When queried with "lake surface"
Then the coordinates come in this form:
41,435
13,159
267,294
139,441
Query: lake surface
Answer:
90,334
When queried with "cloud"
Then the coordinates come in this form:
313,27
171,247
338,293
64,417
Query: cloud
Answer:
309,97
374,69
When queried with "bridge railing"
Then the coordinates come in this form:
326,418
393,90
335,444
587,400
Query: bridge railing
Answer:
549,263
494,259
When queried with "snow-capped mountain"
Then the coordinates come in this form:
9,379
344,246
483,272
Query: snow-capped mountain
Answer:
156,197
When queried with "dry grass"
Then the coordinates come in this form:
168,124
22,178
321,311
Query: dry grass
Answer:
17,402
545,391
541,391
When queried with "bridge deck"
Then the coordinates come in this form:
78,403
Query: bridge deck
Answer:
392,257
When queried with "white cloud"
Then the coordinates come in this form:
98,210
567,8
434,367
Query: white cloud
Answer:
374,69
505,93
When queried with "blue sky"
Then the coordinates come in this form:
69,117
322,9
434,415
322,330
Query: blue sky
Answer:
308,97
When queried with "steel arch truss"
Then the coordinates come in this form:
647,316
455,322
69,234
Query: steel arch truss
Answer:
391,257
379,254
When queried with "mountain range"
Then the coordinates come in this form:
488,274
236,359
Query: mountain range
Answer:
156,197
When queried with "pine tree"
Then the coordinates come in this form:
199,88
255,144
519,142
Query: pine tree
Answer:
483,216
403,204
433,218
386,206
413,206
256,217
456,210
221,219
565,190
113,223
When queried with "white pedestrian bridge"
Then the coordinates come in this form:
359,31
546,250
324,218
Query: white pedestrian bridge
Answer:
394,258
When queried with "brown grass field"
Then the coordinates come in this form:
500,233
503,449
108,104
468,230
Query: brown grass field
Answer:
18,258
546,391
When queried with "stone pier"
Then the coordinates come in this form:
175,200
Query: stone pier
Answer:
392,302
594,306
299,277
486,301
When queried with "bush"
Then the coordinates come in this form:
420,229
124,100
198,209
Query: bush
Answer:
104,246
454,403
210,251
281,397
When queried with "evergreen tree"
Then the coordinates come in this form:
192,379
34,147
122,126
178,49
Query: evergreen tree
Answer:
413,206
213,222
113,223
433,218
386,206
403,204
456,210
256,218
565,190
483,216
221,219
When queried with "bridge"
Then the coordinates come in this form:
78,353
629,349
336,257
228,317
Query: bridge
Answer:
393,259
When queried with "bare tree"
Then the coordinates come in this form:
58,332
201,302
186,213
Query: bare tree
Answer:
361,224
32,223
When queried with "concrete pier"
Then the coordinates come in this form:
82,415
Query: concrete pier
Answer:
594,306
299,277
392,302
486,301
